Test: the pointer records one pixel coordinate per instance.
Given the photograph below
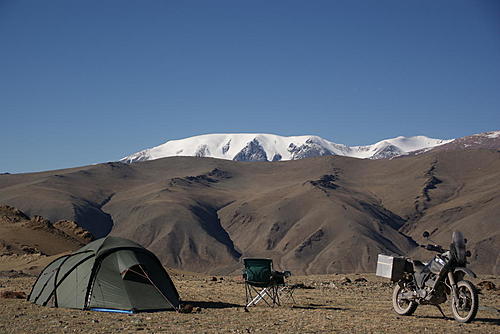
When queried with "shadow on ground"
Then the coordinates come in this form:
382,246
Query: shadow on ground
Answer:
488,321
204,304
319,307
484,320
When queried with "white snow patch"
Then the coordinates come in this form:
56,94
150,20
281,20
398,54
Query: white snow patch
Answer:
492,134
227,146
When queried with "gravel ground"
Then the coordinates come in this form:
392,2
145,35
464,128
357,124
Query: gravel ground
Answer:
331,305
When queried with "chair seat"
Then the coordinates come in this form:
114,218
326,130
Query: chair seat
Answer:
259,284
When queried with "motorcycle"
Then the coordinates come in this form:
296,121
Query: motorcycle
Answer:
441,279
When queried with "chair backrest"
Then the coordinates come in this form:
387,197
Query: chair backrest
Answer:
258,270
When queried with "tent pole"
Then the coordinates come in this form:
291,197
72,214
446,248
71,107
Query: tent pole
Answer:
161,293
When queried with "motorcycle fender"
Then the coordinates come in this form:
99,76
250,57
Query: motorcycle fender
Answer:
465,271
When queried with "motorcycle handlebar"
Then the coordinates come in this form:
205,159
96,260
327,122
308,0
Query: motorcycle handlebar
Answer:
435,248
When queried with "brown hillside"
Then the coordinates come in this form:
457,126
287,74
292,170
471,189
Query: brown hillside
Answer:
320,215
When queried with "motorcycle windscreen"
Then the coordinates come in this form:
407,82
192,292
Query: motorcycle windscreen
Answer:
458,247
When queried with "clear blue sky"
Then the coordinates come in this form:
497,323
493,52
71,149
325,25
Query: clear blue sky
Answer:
92,81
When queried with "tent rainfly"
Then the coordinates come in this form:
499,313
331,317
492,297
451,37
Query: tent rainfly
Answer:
108,274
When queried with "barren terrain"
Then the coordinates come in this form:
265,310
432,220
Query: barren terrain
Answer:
330,305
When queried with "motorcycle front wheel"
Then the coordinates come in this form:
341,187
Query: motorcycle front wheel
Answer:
402,306
465,308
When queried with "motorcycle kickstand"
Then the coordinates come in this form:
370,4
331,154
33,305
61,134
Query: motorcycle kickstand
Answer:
441,310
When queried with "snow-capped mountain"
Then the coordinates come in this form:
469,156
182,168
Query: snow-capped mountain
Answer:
268,147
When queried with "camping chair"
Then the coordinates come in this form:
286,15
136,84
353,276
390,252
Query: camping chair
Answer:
262,283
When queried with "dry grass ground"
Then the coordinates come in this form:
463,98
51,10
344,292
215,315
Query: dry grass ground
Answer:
330,307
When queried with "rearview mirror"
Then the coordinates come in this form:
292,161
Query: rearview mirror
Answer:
426,234
468,254
465,240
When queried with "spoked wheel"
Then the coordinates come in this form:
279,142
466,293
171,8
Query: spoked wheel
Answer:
465,308
401,305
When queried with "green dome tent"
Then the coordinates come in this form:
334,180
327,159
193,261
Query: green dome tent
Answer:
108,274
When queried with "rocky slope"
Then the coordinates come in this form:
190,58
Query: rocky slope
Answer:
20,234
486,140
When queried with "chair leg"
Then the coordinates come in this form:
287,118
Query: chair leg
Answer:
246,294
277,296
291,296
254,296
286,290
260,295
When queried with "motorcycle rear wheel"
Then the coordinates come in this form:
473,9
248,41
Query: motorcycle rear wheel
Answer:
400,305
465,309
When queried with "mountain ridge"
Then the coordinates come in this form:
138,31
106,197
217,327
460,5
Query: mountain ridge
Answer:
270,147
